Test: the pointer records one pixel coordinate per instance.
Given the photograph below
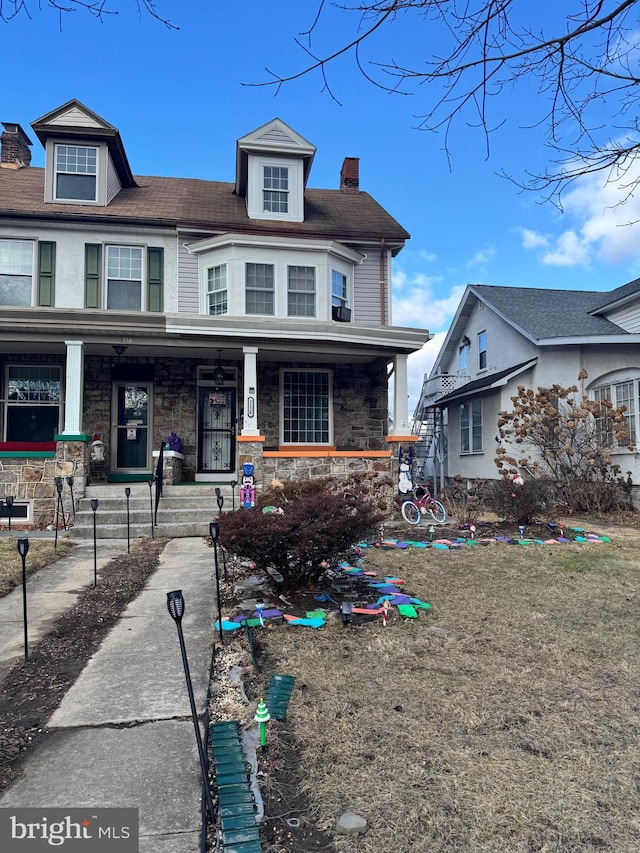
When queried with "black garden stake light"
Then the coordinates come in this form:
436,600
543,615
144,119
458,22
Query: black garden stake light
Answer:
219,501
94,507
127,494
175,606
214,532
23,549
151,505
345,612
58,482
233,484
73,503
9,502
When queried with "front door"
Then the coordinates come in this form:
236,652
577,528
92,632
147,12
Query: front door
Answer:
216,430
130,444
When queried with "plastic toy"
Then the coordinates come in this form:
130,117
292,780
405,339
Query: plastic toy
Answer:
248,488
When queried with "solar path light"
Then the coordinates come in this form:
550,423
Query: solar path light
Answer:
9,502
175,606
214,532
127,493
23,550
94,507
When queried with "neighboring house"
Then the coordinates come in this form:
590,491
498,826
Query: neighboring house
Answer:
503,337
253,317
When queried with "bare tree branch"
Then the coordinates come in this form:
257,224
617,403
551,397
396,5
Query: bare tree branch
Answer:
584,60
10,9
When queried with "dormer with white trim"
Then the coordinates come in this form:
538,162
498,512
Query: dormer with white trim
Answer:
85,158
272,168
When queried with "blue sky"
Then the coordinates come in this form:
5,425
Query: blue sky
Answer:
178,99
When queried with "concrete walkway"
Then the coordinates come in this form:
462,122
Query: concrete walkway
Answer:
123,734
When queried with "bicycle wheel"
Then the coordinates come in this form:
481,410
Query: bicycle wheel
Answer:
410,512
437,511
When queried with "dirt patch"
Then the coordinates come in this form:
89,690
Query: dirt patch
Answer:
32,690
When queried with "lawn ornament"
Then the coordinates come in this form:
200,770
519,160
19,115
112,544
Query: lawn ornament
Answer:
262,717
248,488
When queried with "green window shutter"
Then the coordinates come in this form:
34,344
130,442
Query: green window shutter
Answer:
46,273
92,275
155,279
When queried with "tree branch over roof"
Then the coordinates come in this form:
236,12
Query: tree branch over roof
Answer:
583,58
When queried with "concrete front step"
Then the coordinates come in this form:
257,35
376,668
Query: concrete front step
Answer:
174,530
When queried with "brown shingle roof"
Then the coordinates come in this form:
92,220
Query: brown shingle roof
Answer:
204,204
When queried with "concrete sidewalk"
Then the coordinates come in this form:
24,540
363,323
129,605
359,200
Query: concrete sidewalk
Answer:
123,734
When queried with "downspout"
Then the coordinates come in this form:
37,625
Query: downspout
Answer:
382,284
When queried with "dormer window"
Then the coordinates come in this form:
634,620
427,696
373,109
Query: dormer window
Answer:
76,173
275,189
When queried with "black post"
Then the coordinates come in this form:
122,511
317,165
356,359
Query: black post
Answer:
219,501
58,482
233,484
23,548
175,605
9,502
151,505
94,507
73,503
127,493
214,531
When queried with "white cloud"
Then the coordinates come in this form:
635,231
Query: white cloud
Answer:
415,303
482,257
532,239
420,364
606,217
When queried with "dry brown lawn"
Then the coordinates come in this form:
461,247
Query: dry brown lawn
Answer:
41,553
508,719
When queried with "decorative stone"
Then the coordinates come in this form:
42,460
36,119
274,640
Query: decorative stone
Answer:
351,824
31,475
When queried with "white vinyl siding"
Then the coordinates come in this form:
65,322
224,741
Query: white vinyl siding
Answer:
628,318
366,289
113,181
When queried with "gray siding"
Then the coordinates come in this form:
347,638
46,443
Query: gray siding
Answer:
113,182
188,289
366,288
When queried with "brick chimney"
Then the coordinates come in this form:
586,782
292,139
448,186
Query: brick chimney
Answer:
350,175
14,144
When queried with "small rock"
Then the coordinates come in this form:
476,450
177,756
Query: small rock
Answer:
351,824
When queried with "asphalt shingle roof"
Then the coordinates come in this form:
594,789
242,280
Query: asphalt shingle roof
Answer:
205,204
550,313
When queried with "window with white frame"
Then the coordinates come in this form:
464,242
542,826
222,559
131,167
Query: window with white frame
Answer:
217,289
33,395
301,291
463,357
306,416
275,189
471,427
339,289
482,351
621,394
124,278
259,289
76,173
16,272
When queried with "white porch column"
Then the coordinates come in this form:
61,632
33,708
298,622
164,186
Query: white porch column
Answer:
74,385
401,424
250,416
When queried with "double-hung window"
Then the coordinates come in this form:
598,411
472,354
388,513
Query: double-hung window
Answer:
217,289
16,272
471,427
339,289
275,189
306,412
124,278
76,173
259,290
33,402
301,291
620,394
463,358
482,351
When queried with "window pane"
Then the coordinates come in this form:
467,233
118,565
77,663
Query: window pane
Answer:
482,351
338,289
306,407
275,193
80,187
76,159
33,395
625,397
302,292
124,295
259,289
476,427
